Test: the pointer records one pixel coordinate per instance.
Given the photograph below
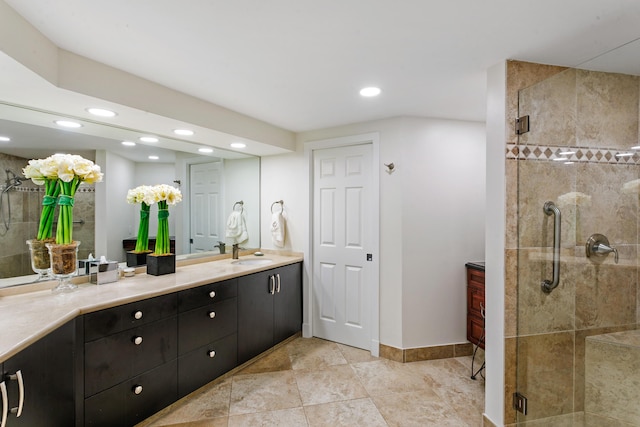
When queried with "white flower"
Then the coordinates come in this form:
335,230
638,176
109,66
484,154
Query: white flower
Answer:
632,187
574,198
141,194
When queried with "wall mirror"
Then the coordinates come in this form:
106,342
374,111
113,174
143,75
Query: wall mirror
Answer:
211,183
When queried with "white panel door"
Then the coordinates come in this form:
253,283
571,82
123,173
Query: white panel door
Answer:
206,205
343,238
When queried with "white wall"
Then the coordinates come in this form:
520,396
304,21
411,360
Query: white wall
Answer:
240,176
495,243
411,308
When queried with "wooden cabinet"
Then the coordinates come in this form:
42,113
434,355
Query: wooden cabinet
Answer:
475,303
269,309
46,387
207,334
130,361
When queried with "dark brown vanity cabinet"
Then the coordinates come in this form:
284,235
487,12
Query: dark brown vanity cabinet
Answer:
207,334
130,361
475,303
269,309
37,384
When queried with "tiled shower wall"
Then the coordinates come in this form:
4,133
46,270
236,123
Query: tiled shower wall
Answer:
596,115
25,203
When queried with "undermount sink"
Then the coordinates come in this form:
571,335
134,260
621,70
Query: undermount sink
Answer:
254,261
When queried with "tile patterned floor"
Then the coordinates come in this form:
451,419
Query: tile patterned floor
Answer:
312,382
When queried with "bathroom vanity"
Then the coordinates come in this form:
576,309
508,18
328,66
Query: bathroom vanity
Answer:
115,354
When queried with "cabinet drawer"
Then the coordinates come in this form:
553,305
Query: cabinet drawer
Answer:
475,331
206,324
199,367
121,406
116,319
112,359
475,301
475,276
207,294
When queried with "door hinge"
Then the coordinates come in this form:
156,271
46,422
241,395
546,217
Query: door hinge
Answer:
520,403
522,125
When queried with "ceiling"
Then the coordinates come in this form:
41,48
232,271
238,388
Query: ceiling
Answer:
299,64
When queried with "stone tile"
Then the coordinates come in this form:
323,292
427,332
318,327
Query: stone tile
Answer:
391,353
510,371
355,355
203,406
359,412
428,353
277,360
331,384
546,374
419,408
511,203
612,375
607,107
539,312
511,293
216,422
262,392
465,349
385,377
314,353
294,417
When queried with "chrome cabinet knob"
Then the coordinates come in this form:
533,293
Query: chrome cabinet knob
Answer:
212,294
137,389
212,314
137,315
212,354
137,340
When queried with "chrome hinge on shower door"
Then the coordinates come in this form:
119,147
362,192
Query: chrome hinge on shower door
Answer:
520,403
522,125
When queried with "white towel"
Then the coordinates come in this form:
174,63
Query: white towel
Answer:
277,229
237,228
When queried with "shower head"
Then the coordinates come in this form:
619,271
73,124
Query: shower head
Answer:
13,180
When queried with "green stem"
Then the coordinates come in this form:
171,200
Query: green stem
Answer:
162,239
142,242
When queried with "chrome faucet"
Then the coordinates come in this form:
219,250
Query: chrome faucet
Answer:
220,246
236,249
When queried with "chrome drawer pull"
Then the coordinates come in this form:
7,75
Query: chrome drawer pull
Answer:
137,389
212,294
137,340
137,315
212,314
212,354
18,377
278,283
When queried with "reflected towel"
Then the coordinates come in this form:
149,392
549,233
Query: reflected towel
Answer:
236,228
277,229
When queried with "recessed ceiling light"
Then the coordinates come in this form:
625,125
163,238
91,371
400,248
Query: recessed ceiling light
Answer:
566,153
183,132
624,154
637,147
560,159
238,145
5,139
153,157
68,124
148,139
128,143
568,163
205,150
102,112
370,91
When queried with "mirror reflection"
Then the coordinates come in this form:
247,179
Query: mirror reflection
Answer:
211,183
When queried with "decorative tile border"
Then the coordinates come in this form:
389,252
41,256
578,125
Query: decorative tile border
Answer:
40,189
580,154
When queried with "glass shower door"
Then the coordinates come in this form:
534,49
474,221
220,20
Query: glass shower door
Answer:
578,156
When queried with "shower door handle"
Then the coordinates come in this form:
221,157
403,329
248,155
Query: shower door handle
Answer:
550,208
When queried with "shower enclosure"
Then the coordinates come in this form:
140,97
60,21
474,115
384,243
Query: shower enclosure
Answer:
577,354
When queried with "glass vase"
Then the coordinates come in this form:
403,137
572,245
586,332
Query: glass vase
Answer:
64,264
40,260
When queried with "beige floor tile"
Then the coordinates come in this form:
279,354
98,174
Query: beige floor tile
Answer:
385,376
211,402
349,413
215,422
355,355
284,418
278,360
314,353
262,392
420,408
331,384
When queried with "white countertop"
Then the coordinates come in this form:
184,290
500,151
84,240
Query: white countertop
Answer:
27,317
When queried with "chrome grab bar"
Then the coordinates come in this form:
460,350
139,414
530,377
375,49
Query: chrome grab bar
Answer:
550,208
